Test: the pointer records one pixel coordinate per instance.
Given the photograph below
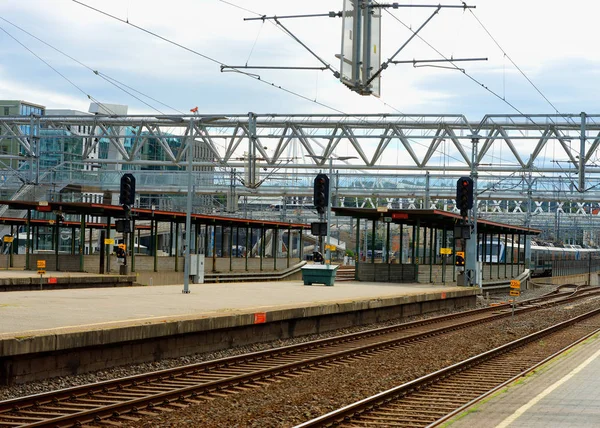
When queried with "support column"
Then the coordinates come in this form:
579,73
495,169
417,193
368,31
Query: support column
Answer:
72,240
132,245
387,244
484,253
176,245
527,253
81,243
247,249
107,247
401,247
261,247
431,233
424,261
435,246
301,245
231,248
155,245
206,240
289,246
444,257
214,249
197,233
223,253
519,254
512,256
28,240
357,248
453,257
139,239
505,254
582,153
171,241
417,242
275,246
373,242
498,255
13,243
413,249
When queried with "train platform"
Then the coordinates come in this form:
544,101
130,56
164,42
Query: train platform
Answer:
565,392
23,280
54,332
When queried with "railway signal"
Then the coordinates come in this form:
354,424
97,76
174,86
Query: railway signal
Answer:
464,195
321,193
127,192
460,258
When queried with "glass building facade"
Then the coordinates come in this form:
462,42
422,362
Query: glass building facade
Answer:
9,146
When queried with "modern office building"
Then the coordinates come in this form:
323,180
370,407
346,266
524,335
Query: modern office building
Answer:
10,147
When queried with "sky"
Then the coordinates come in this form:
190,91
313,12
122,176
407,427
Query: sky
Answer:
554,44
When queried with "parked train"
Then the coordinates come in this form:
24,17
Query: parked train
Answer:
542,255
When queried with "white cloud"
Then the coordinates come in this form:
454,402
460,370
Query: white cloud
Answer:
14,90
535,34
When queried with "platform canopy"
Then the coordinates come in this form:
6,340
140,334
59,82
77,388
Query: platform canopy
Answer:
430,218
141,214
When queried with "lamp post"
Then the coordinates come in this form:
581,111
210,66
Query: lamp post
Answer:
328,216
188,215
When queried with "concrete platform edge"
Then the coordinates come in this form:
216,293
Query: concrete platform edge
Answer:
98,335
41,354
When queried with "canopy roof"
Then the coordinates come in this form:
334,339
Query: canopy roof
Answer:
116,211
430,218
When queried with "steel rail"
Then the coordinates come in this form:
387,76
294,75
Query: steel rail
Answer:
227,370
347,414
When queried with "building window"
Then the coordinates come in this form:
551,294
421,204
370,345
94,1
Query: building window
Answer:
6,111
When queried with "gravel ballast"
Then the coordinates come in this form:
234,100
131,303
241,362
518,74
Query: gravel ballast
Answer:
290,402
294,401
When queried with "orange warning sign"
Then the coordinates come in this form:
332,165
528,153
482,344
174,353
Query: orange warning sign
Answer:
260,318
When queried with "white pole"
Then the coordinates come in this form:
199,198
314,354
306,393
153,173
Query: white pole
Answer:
188,214
328,250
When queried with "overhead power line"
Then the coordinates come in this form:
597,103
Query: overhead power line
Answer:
56,71
103,76
253,76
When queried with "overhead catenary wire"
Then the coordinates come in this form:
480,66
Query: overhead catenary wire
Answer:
495,94
104,76
515,64
193,51
520,70
56,71
280,27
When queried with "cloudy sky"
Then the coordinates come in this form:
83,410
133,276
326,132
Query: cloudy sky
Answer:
554,43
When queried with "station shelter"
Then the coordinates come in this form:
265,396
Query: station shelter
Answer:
229,244
408,246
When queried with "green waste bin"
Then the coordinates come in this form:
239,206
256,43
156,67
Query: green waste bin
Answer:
318,274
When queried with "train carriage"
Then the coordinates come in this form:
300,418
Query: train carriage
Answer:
542,255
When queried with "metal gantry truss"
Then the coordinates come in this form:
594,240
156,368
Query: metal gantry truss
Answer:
542,161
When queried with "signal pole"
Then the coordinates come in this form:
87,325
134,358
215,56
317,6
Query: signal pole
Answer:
464,202
328,243
471,262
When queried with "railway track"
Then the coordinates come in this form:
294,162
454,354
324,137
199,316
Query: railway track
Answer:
435,398
135,396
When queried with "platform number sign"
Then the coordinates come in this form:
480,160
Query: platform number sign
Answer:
41,266
515,287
